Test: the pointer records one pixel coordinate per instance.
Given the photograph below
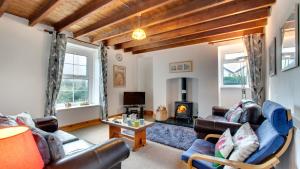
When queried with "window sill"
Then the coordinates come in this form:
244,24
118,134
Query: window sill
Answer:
234,87
76,107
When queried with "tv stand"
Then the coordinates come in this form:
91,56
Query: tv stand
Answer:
140,114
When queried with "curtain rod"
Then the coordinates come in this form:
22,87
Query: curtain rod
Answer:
80,41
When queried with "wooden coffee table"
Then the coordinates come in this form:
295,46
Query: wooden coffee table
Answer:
139,136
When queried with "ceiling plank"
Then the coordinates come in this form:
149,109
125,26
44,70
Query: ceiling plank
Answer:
223,37
206,26
3,6
43,12
125,14
221,11
80,14
235,28
182,10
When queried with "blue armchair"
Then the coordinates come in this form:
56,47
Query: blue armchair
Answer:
274,134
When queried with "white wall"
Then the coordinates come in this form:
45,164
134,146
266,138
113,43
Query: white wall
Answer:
24,55
205,69
23,73
284,87
115,95
145,79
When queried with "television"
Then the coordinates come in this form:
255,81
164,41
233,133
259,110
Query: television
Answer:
134,98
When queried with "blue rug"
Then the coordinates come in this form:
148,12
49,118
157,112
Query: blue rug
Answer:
171,135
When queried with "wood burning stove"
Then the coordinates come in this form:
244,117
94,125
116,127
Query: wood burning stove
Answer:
184,109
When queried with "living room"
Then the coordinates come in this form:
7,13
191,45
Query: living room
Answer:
149,84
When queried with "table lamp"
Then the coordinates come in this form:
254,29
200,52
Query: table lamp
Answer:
18,149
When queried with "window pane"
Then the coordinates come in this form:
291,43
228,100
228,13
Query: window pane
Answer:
80,60
65,97
68,69
80,96
81,84
66,85
235,74
79,70
69,58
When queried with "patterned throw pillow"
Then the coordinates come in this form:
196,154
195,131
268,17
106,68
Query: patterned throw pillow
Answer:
6,121
224,146
25,118
245,143
42,146
234,115
56,147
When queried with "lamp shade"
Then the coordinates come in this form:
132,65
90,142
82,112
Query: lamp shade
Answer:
18,149
139,34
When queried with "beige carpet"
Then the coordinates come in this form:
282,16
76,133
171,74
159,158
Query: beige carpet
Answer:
152,156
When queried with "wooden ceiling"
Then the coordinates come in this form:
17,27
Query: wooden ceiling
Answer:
167,23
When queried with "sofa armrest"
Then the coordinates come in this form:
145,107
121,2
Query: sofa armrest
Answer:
105,156
48,124
204,127
219,111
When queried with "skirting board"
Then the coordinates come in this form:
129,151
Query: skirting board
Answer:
80,125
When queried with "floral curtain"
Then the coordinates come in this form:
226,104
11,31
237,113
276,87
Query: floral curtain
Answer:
255,45
103,81
55,71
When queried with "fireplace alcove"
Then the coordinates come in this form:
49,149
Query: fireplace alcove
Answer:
176,96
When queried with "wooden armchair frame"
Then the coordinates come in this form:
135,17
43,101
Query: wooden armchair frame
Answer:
269,163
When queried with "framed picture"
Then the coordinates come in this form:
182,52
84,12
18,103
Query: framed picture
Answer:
272,58
290,41
119,76
178,67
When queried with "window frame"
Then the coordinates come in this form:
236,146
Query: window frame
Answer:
91,53
224,61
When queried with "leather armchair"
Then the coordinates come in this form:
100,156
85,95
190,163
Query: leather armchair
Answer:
81,154
217,124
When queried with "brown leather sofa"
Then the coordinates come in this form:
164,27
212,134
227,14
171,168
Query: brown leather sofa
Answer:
217,123
81,154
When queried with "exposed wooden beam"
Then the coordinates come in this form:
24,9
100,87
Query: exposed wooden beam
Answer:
206,26
201,35
179,11
3,6
80,14
232,35
125,14
221,11
196,40
43,12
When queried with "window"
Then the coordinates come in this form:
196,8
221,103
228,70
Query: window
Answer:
235,70
75,82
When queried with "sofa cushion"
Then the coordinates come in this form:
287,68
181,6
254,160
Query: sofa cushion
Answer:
76,146
269,143
277,116
201,147
65,137
216,118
